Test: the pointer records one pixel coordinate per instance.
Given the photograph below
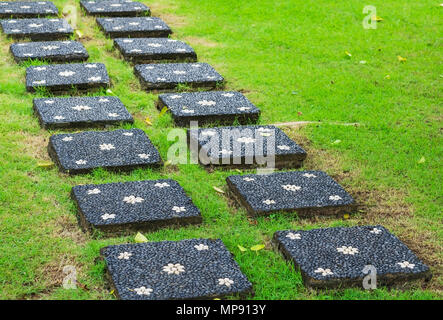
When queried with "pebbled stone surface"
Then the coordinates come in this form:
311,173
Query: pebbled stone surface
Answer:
62,77
209,107
169,75
141,50
305,191
53,51
118,8
142,275
136,27
80,112
367,245
37,29
243,146
137,204
118,149
26,9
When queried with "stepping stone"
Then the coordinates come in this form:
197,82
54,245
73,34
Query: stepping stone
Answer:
26,9
307,192
53,51
187,269
63,77
209,107
80,112
245,147
336,257
139,205
37,29
170,75
146,50
115,150
138,27
119,8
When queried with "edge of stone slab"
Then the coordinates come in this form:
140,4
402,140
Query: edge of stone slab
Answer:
133,13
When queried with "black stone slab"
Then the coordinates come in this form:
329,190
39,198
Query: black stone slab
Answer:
138,205
146,50
170,75
245,147
222,107
37,29
336,257
137,27
115,150
115,8
169,270
80,112
63,77
26,9
52,51
310,193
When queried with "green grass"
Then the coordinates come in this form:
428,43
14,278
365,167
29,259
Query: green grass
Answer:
289,59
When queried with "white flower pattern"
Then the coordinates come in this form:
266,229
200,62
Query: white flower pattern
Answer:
172,268
347,250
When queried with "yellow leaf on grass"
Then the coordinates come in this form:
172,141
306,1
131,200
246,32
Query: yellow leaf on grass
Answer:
348,53
79,33
401,59
111,292
109,91
336,141
139,238
242,249
148,121
163,111
167,163
422,160
375,18
257,247
387,76
45,164
218,190
346,216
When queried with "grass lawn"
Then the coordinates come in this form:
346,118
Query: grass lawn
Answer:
287,57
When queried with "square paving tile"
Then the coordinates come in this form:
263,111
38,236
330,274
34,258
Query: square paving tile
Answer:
309,193
64,77
170,75
138,205
137,27
146,50
26,9
118,8
37,29
80,112
209,107
52,51
166,270
246,147
115,150
336,257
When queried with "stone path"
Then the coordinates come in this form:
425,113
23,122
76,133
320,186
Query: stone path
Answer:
193,268
209,107
116,150
118,8
37,29
307,192
170,75
147,50
80,112
52,51
246,147
336,257
139,205
63,77
139,27
26,9
187,269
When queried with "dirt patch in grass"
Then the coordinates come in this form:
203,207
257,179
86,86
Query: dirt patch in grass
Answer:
35,146
66,226
385,206
201,42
